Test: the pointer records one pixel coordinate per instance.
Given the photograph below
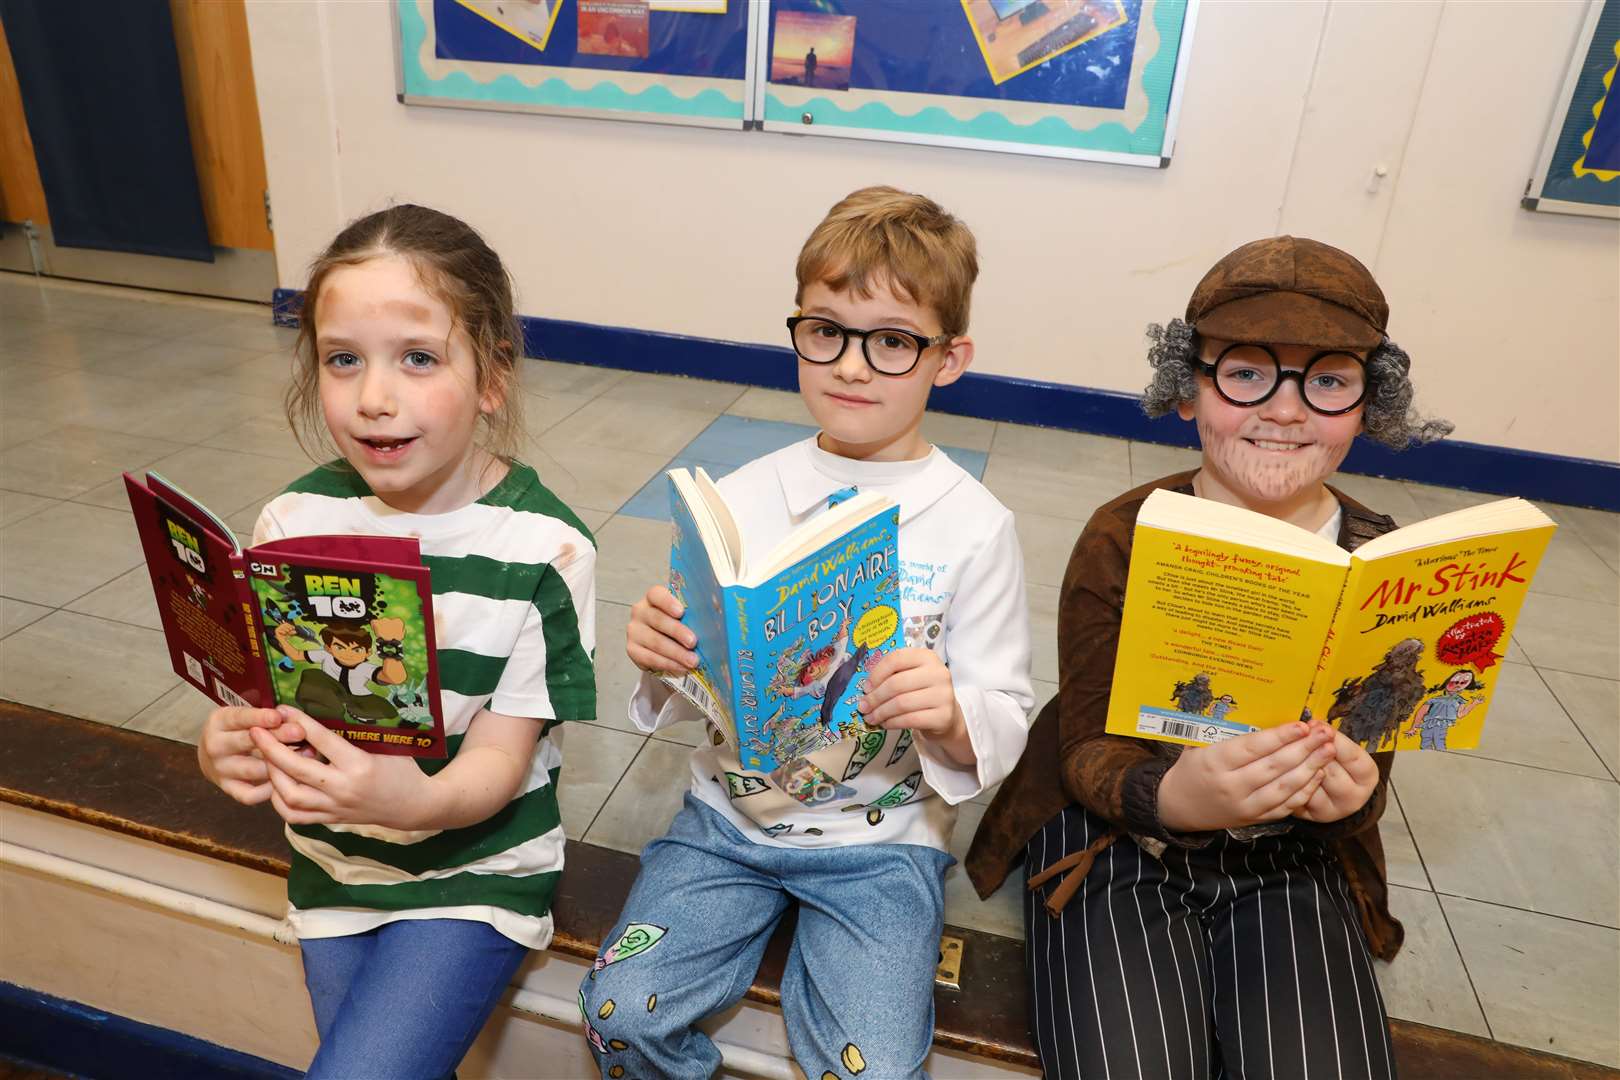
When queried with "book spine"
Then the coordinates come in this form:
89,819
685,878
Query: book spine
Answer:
1324,666
743,658
253,619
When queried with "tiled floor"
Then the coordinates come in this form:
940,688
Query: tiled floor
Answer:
1503,861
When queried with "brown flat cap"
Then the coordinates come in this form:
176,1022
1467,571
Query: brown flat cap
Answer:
1290,291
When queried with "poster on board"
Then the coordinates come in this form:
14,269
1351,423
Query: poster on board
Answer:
672,61
1579,168
1094,79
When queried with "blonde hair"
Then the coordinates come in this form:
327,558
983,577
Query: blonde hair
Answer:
455,265
906,241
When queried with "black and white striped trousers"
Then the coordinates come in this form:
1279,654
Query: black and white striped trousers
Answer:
1242,960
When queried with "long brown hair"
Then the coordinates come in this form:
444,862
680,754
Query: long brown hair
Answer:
460,269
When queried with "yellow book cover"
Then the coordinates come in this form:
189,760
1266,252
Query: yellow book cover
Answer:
1234,621
1411,662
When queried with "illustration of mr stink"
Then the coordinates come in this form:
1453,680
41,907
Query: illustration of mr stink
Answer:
339,687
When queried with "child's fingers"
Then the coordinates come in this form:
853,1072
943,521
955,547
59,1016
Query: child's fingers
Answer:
663,600
242,767
293,816
244,793
902,660
287,760
1286,757
240,719
1274,795
653,650
1304,795
1258,745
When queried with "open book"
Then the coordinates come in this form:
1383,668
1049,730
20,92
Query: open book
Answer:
785,637
1236,621
338,626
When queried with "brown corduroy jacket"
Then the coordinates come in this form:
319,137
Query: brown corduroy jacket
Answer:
1070,758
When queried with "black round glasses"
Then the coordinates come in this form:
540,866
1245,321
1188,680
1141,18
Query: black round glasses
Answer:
888,349
1331,383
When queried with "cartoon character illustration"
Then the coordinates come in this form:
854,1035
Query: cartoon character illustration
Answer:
901,745
740,786
677,585
789,737
636,939
1369,709
337,688
823,673
1223,705
924,631
866,748
903,792
199,594
1436,716
1193,697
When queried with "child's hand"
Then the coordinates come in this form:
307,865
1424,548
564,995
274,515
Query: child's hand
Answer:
225,751
350,787
655,640
911,688
1348,781
1262,776
388,629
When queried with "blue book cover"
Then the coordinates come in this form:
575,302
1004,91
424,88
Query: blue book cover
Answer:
784,654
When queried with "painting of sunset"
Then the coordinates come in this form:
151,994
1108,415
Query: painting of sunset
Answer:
813,49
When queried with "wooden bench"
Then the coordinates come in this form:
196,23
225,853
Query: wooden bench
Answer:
150,788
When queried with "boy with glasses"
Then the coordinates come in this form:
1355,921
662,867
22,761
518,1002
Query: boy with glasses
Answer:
884,284
1212,910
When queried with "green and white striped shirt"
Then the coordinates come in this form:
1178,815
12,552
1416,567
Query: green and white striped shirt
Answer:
514,615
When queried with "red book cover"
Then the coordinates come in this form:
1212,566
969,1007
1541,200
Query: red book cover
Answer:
340,627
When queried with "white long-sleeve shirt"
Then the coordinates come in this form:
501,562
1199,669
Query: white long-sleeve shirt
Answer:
961,594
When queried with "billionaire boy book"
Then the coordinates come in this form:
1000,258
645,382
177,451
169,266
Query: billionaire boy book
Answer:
338,626
785,639
1235,621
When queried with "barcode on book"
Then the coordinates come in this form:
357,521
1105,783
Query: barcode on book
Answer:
693,687
1181,729
229,696
1150,721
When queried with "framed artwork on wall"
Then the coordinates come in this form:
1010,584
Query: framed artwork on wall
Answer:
1579,168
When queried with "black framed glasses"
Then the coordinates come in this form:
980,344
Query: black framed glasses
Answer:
889,350
1331,383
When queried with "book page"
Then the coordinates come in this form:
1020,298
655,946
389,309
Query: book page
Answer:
1218,638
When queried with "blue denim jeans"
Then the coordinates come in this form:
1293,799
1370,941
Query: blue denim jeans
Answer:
858,987
407,999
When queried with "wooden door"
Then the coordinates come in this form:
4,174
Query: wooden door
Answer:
22,198
222,110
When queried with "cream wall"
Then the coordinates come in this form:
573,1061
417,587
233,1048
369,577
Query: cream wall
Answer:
1290,109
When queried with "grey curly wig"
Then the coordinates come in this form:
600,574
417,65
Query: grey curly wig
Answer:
1387,415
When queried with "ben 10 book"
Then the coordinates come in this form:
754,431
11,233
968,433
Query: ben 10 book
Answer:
1235,621
786,637
338,626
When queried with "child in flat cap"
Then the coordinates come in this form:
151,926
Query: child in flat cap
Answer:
1213,910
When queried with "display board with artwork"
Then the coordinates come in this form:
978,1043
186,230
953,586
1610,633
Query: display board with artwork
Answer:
676,61
1071,78
1579,170
1068,78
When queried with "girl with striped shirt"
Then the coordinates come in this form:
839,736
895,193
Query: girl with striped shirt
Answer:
417,887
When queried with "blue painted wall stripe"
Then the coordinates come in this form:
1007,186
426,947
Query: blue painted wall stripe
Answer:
1449,463
65,1036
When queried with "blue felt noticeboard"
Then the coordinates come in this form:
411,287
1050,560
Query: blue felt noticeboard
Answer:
1069,78
1579,171
679,61
1094,79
